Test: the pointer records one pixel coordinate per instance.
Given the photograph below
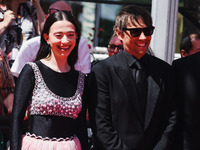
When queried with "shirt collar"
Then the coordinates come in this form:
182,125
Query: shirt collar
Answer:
131,59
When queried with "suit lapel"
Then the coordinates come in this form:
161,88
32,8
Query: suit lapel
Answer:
153,90
122,69
152,97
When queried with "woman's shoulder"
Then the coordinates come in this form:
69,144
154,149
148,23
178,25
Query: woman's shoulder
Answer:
26,73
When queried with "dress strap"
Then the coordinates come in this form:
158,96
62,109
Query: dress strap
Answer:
36,70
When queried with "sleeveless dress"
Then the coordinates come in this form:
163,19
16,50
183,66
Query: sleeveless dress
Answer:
54,118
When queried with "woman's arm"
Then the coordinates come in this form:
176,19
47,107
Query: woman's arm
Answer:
40,15
22,96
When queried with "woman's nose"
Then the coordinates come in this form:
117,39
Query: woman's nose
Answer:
64,39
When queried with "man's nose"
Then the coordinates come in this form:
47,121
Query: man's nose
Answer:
116,50
142,36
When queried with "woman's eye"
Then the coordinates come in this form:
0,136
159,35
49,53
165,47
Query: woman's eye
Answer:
58,35
71,35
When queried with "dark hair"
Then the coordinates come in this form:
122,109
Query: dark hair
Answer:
186,43
45,49
5,3
133,13
113,35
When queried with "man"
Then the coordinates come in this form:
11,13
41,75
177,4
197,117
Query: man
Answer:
115,45
29,49
190,45
186,75
122,119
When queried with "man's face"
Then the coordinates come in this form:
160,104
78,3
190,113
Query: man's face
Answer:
136,46
115,45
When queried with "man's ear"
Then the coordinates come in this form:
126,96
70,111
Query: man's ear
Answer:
46,37
183,53
119,34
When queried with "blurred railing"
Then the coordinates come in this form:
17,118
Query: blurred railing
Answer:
98,53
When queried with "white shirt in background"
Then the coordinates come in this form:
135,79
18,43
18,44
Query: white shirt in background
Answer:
29,49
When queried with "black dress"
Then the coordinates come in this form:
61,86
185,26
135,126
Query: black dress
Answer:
55,105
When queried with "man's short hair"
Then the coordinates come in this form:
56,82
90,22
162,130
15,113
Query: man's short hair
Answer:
186,42
133,13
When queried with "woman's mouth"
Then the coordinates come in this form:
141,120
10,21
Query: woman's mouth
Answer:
64,47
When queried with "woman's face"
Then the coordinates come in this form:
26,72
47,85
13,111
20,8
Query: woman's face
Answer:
62,38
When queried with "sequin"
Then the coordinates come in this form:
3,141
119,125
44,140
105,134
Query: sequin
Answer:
45,102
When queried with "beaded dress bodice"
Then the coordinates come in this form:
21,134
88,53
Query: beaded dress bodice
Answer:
45,102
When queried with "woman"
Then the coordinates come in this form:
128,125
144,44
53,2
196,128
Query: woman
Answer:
52,89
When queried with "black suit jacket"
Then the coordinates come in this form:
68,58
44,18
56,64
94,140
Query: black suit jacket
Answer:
186,73
117,118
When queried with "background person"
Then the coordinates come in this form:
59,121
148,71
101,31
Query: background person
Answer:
129,113
186,92
18,23
115,45
52,89
190,45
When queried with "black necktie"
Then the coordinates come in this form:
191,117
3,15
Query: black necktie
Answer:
141,83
